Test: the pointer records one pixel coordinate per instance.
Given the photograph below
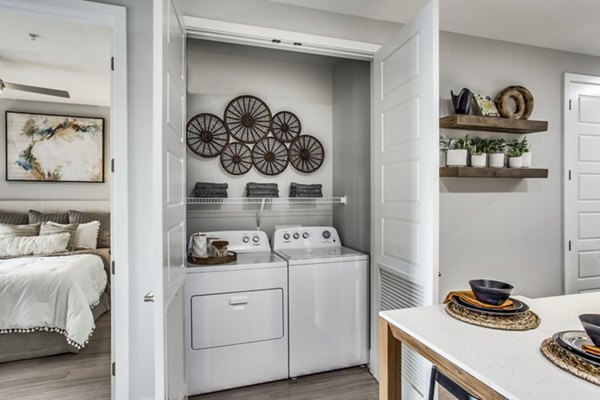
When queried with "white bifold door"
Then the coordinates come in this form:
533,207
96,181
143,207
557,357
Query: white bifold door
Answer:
405,180
169,199
582,183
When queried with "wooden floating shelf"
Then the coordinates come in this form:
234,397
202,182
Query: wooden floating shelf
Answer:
492,124
471,172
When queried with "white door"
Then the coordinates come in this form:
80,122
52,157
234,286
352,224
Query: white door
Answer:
405,179
169,197
582,183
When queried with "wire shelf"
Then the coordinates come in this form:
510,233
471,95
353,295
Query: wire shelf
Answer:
264,201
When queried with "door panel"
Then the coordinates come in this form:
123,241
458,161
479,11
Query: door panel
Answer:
582,183
405,165
170,152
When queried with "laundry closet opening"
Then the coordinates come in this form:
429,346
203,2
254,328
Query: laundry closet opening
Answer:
331,98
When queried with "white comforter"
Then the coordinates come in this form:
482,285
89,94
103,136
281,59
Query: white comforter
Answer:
51,294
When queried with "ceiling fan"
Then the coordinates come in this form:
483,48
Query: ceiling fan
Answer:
34,89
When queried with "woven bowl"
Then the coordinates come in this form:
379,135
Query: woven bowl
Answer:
490,292
591,324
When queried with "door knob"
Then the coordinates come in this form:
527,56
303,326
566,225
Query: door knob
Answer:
149,297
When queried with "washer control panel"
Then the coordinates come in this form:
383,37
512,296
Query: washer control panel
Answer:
306,237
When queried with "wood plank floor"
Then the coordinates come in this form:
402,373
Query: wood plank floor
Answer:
83,376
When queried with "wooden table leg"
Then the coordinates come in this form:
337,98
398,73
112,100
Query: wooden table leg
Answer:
390,363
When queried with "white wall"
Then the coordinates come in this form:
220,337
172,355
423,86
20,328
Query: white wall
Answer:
54,190
300,83
503,228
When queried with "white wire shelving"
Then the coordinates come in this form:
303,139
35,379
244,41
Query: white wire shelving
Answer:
266,200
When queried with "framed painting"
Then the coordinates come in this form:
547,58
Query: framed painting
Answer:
54,148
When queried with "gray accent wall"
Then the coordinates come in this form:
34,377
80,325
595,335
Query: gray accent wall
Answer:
352,151
504,228
54,190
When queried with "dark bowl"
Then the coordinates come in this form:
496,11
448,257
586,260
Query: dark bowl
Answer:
591,324
490,292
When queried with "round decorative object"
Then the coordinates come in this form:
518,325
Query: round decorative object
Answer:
270,156
236,158
306,153
248,119
523,101
206,135
286,126
520,322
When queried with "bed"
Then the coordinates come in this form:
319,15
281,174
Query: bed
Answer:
88,283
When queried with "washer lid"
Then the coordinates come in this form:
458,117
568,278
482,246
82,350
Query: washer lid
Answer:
262,259
305,256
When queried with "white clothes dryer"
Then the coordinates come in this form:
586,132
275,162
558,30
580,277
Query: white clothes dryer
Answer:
237,317
328,300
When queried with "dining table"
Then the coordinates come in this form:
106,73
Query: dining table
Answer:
489,363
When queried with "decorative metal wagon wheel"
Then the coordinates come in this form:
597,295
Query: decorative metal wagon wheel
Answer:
306,153
206,135
286,126
248,119
236,158
270,156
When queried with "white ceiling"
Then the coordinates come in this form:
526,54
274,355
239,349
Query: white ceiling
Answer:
572,25
67,56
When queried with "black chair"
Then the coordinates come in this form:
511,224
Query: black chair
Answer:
455,389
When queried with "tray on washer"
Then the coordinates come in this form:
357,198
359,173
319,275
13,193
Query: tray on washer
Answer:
230,258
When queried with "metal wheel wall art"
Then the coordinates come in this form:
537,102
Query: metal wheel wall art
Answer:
286,126
270,156
248,119
236,158
206,135
306,154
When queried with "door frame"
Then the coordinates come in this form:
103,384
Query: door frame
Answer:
116,18
570,227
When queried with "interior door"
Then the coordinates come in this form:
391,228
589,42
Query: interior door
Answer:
582,183
170,211
405,179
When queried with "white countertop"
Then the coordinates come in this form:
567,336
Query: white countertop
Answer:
510,362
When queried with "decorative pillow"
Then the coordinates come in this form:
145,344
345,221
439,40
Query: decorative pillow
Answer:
52,228
19,230
12,218
80,217
33,245
36,216
86,236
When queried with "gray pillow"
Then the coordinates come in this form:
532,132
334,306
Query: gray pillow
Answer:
53,228
7,230
59,218
80,217
12,218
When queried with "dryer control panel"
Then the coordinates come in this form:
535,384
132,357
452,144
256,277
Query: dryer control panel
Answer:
243,241
306,237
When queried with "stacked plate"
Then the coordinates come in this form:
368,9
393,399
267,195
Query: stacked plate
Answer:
518,307
573,341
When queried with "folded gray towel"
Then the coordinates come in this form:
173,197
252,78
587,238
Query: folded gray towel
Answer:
211,185
295,185
254,185
300,190
210,195
262,192
263,195
306,195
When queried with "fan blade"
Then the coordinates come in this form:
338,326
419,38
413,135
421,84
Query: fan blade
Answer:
37,89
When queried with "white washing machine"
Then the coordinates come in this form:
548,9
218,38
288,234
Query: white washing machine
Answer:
237,317
328,300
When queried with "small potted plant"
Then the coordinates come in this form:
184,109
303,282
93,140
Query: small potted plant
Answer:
478,148
496,152
526,153
515,159
445,144
457,153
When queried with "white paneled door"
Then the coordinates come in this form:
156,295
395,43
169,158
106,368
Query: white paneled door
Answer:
405,178
169,170
582,183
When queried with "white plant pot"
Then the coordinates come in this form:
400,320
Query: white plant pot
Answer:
526,159
443,158
456,158
479,160
496,160
515,162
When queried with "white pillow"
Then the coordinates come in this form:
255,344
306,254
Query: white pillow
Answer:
86,236
33,245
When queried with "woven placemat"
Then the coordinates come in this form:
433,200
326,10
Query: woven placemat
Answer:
520,322
570,362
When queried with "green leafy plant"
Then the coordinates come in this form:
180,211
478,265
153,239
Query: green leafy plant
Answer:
445,143
516,148
461,144
479,145
525,145
496,146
